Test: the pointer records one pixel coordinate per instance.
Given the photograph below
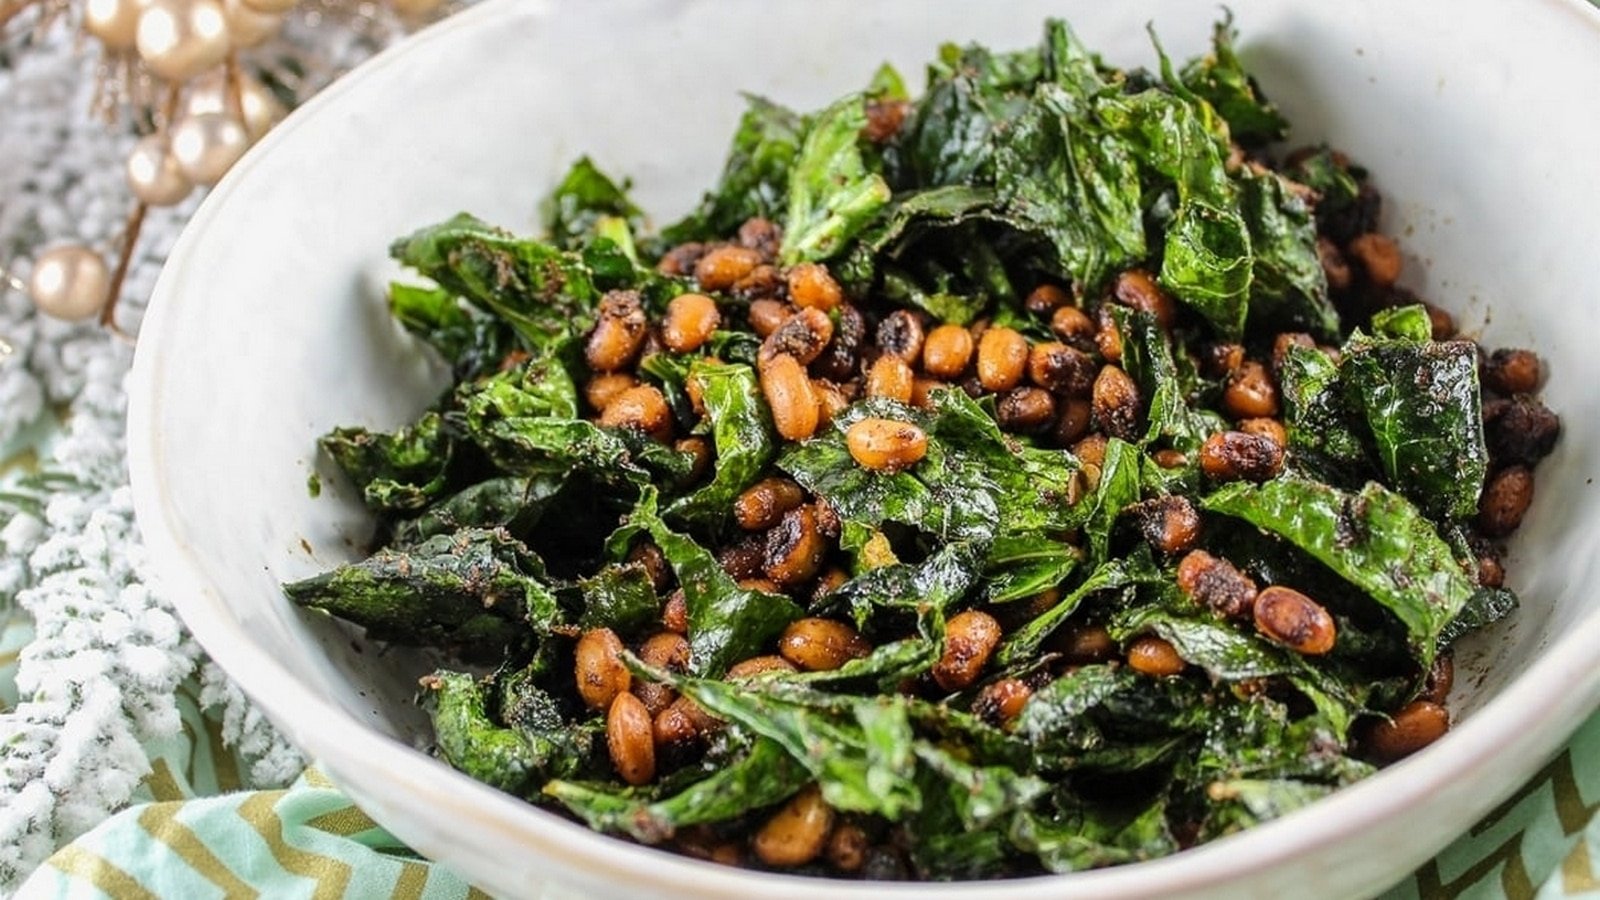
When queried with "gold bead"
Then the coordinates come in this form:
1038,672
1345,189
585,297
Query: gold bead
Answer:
207,145
114,22
260,106
271,6
154,175
179,39
248,27
415,8
69,282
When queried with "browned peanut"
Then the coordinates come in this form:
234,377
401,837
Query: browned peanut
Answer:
761,235
1379,255
642,408
699,448
842,356
1441,678
756,665
690,320
675,613
791,398
630,738
832,399
1151,655
674,725
1170,458
812,286
601,676
891,377
1333,264
884,118
1220,359
761,585
514,360
1001,701
1250,392
1085,644
1072,325
763,282
1056,367
901,334
1045,299
764,503
847,847
1233,455
1137,289
604,388
727,853
1271,429
1002,359
1072,421
663,650
922,391
1106,336
1170,524
1520,430
1505,501
722,266
1091,451
821,645
946,351
647,556
1116,403
744,558
1216,583
1290,618
1441,325
830,581
618,335
1512,371
1491,571
803,336
766,315
680,260
885,444
1414,726
1283,342
796,834
795,548
1026,410
969,638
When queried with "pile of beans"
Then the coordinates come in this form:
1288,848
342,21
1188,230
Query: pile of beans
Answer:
1064,386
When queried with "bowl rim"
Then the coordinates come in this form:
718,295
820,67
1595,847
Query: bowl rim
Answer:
1535,712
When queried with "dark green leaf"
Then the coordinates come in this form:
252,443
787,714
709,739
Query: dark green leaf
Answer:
508,502
580,204
1321,424
755,178
1289,289
832,195
1485,607
1025,564
1221,80
1023,644
1086,836
397,472
511,760
472,342
620,597
741,428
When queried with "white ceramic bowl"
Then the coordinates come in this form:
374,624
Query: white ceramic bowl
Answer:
268,328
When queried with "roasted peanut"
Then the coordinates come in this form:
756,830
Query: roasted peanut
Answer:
1001,701
947,351
795,548
1002,359
1085,644
675,613
761,235
803,336
760,585
1151,655
884,118
1512,371
642,408
1414,726
1441,325
1170,458
1234,455
700,449
901,334
1333,264
605,387
821,645
1025,410
1220,359
812,286
690,321
680,260
1288,617
723,266
1057,367
619,333
1505,501
922,391
1491,571
744,558
1107,338
891,377
1046,299
1379,256
790,396
674,725
842,356
1441,678
1137,289
1216,583
1170,524
1271,429
756,665
847,847
764,503
1116,403
647,556
663,650
1519,430
885,444
601,676
630,738
1289,339
1072,421
1091,451
796,834
969,638
832,399
1072,325
763,283
766,315
1250,392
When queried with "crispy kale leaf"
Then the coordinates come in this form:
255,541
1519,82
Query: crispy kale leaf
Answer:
398,472
755,178
832,194
741,428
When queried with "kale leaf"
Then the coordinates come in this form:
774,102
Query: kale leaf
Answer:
832,194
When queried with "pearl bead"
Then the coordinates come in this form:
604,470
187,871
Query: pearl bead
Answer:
69,282
271,6
207,145
248,27
415,8
154,175
261,108
179,39
114,22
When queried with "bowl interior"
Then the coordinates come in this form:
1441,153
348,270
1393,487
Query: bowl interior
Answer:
269,326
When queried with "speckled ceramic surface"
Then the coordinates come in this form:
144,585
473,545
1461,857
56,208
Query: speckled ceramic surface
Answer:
268,328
